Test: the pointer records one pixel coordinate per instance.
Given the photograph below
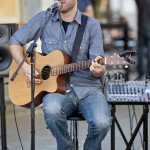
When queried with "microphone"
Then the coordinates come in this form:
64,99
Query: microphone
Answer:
55,6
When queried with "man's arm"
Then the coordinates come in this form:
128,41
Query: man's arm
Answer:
17,53
24,35
96,51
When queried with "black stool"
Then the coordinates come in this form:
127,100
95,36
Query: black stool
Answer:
74,128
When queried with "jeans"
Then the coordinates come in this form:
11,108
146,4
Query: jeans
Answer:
93,107
143,42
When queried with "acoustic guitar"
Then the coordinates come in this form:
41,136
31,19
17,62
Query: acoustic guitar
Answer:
53,69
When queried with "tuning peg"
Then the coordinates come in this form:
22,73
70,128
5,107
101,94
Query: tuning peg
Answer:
114,67
120,66
133,53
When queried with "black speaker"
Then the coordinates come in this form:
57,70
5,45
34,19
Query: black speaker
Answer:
6,31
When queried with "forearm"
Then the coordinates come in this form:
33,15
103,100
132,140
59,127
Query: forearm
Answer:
16,52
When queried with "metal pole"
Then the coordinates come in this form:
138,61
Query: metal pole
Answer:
3,116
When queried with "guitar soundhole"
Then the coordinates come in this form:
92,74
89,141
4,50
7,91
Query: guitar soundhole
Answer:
46,72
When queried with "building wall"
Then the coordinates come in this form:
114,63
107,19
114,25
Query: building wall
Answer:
31,7
10,11
125,8
46,3
20,11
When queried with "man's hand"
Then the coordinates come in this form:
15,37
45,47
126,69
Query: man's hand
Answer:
96,68
26,68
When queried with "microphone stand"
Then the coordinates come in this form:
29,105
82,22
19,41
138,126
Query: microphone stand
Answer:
30,53
3,116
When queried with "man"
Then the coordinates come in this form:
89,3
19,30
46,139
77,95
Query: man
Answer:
84,92
86,7
143,35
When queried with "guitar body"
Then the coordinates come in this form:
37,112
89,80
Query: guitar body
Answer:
20,88
53,69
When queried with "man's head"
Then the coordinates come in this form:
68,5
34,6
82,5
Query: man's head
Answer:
67,5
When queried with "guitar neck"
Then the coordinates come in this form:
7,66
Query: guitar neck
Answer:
67,68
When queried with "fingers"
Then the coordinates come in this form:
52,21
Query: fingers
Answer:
37,81
95,66
27,72
92,68
97,58
36,73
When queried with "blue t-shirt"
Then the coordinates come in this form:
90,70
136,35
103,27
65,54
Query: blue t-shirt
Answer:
82,4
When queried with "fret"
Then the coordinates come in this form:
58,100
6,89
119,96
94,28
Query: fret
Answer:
56,71
67,68
60,70
105,61
70,67
83,64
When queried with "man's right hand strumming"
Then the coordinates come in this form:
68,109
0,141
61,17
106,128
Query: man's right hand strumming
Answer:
26,68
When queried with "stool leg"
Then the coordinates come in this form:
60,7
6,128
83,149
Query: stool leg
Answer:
71,129
75,135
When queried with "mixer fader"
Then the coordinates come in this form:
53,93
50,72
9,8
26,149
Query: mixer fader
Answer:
128,92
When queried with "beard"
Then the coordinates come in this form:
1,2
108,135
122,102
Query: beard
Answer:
67,9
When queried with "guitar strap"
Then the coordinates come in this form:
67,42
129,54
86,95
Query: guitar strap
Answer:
78,38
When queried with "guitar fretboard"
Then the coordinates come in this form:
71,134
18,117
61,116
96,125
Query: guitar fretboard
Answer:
70,67
67,68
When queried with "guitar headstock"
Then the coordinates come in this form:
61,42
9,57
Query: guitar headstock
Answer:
120,61
116,62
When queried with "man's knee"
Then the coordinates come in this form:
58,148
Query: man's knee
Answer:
101,125
51,108
51,104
